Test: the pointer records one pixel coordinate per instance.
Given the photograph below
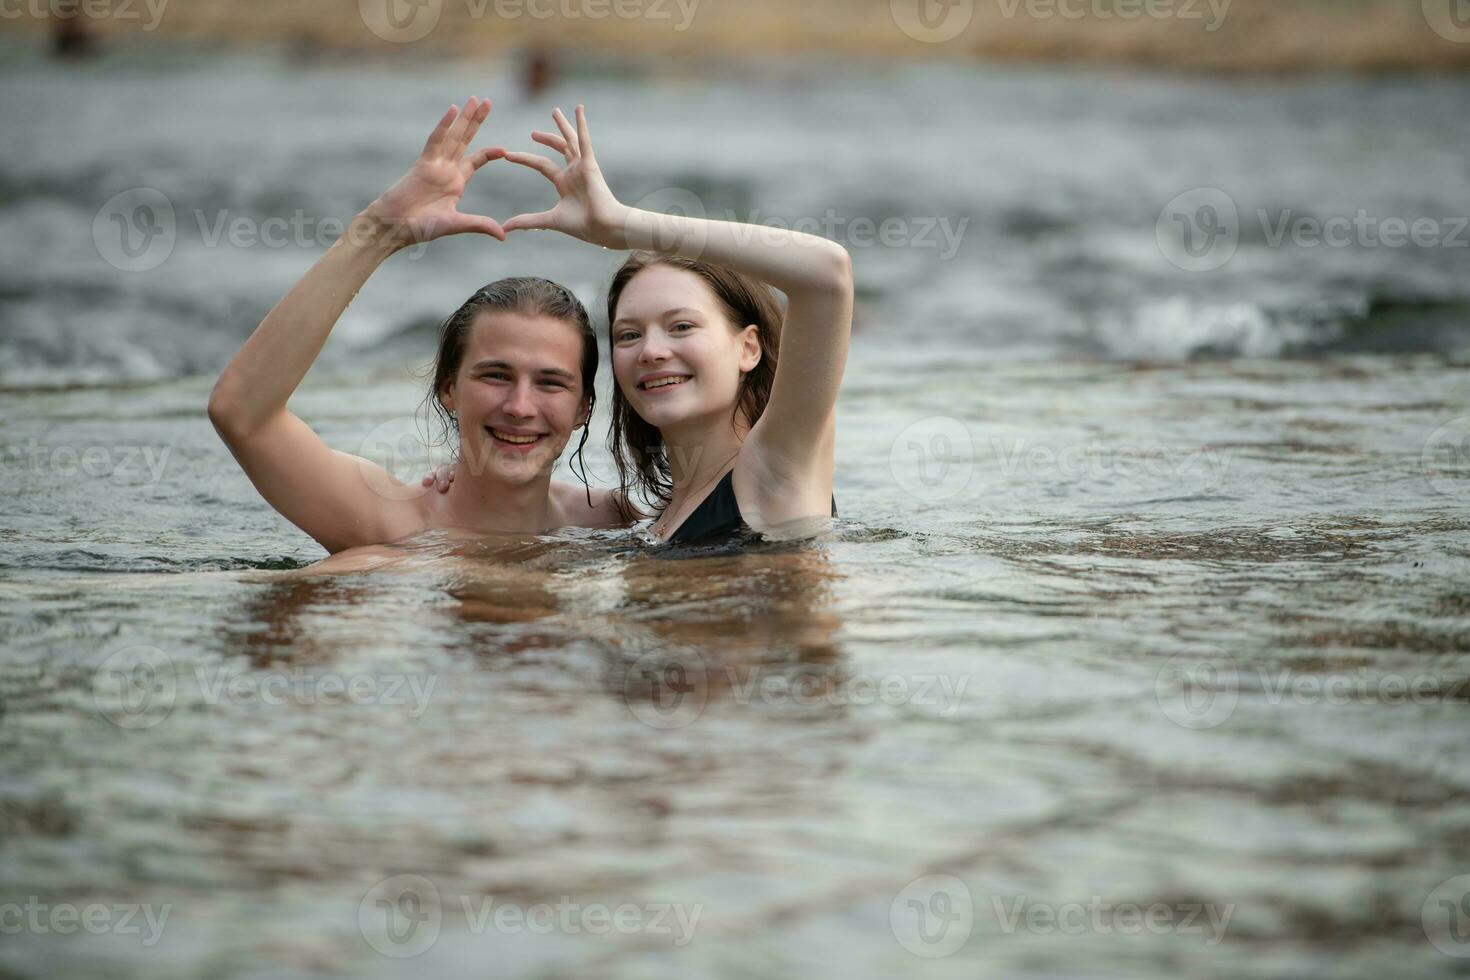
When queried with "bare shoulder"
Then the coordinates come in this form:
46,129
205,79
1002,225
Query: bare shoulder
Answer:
570,501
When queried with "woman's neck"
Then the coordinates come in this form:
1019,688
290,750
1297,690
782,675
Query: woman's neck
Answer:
699,453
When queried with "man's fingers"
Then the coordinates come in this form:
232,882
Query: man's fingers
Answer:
481,157
436,138
473,123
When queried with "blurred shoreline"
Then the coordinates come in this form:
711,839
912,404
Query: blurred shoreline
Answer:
1238,36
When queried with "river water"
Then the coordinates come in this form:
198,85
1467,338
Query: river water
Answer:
1139,650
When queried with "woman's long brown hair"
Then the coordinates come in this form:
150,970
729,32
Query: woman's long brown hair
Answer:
637,448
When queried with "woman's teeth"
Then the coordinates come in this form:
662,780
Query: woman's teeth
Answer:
663,382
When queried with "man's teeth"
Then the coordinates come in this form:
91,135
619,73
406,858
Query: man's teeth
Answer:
663,382
516,440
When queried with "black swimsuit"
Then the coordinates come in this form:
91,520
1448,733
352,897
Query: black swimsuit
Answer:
717,515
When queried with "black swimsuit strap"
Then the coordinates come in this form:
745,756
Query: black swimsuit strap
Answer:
717,515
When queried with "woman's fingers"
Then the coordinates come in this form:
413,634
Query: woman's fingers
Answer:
584,135
530,222
536,162
555,142
568,133
436,138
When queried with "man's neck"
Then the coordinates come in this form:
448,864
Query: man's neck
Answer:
484,503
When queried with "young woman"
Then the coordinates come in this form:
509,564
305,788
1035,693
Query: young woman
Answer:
707,425
514,378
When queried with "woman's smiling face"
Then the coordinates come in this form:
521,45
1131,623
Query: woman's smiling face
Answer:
518,394
676,356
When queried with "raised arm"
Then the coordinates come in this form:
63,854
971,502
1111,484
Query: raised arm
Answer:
813,272
339,499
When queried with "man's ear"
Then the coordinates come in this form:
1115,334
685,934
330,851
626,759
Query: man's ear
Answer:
750,348
584,414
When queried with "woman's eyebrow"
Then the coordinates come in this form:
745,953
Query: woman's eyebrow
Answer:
666,313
